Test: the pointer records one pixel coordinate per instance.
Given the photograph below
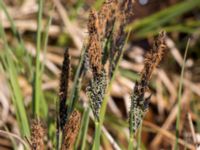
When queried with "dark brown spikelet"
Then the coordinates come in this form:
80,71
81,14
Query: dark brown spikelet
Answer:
70,130
139,104
153,58
94,46
124,16
64,81
107,16
37,135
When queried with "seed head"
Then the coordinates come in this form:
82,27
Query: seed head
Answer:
94,46
70,131
37,135
64,82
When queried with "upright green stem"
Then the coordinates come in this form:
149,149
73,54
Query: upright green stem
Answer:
131,137
130,143
179,96
97,136
86,122
37,70
139,136
77,81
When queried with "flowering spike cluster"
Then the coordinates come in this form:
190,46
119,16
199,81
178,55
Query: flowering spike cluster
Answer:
139,104
124,15
107,15
64,81
70,130
107,38
94,46
96,91
37,135
153,58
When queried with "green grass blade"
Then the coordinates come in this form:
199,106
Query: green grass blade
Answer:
83,130
13,27
44,107
131,137
76,85
37,76
156,20
17,35
139,138
130,145
11,70
46,38
18,99
179,96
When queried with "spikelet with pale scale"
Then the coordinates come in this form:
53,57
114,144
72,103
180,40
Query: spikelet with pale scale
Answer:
70,130
96,91
37,135
139,106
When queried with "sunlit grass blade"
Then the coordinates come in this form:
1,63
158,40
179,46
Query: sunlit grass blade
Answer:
17,35
85,129
46,38
44,107
131,137
11,71
37,77
81,140
77,83
17,96
183,28
156,20
179,96
139,138
13,27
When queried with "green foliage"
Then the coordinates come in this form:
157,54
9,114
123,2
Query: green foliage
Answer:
152,24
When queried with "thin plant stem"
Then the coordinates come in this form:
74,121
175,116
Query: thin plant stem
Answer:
139,137
131,140
37,91
179,96
77,81
83,130
46,38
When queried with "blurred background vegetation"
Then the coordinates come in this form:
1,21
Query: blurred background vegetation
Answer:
63,24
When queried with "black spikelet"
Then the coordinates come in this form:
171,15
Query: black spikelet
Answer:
64,81
96,91
139,106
